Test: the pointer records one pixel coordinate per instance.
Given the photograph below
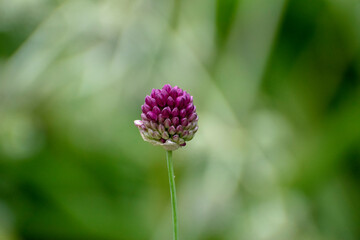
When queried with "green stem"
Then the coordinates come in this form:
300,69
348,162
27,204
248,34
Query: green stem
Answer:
172,193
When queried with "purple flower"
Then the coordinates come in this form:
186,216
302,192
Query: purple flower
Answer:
169,118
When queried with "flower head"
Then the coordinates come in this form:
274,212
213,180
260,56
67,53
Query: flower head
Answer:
169,118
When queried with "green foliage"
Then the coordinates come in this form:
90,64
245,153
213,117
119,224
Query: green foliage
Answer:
277,90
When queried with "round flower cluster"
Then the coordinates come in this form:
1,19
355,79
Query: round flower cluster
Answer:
169,118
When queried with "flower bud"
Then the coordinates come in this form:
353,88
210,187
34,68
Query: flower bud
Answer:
190,136
172,130
165,135
190,108
167,87
161,119
150,101
147,124
151,116
144,117
180,102
161,128
173,93
185,133
165,94
179,129
175,138
156,110
153,92
184,122
170,102
145,108
169,118
192,117
175,112
167,123
154,125
160,100
166,112
183,113
175,121
156,135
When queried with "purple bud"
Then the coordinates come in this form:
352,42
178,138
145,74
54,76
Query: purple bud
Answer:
156,110
175,112
192,117
145,108
187,98
183,113
160,100
150,101
166,112
173,93
179,91
180,101
175,121
167,87
151,115
164,93
179,129
184,122
154,92
161,118
167,123
172,130
190,108
170,102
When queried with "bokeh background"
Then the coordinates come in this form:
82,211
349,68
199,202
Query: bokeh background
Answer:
277,89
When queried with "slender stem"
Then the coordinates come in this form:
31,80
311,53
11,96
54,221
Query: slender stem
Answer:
172,193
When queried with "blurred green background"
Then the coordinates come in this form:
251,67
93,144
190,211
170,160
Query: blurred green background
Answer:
277,89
